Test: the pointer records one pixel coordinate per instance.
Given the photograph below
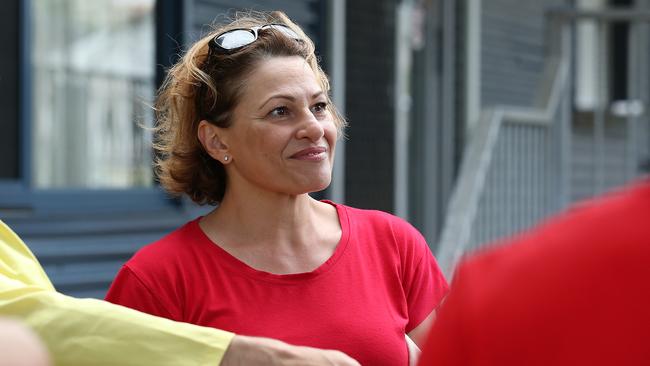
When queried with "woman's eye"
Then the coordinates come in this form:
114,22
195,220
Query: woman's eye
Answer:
279,112
319,108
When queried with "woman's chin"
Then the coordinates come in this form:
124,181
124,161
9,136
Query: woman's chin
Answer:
318,185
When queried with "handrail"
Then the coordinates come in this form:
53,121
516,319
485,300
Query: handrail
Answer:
463,204
612,14
477,158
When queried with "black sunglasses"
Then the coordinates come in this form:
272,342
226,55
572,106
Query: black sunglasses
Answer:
235,39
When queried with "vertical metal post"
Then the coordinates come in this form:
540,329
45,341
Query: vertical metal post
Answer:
643,125
447,105
472,64
402,108
566,56
433,207
632,118
600,110
336,19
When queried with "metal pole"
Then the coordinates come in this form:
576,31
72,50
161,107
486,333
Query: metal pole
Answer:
336,31
600,110
403,66
447,104
632,118
565,130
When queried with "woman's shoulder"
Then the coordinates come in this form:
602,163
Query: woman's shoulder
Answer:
376,217
387,235
378,222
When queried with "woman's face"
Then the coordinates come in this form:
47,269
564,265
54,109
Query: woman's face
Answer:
283,136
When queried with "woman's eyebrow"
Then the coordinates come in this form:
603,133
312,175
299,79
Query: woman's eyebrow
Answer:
288,97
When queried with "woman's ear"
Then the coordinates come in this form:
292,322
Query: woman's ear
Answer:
212,139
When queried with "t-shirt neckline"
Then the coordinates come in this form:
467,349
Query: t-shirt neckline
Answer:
242,268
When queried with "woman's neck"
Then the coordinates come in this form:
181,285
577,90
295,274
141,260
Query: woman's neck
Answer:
267,217
267,212
274,233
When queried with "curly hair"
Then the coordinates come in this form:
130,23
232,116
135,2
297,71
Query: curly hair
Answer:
205,86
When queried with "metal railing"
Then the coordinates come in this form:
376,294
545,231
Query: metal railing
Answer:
517,166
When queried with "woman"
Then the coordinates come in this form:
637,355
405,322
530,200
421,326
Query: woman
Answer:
245,121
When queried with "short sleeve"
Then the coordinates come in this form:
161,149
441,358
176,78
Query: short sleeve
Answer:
128,290
424,283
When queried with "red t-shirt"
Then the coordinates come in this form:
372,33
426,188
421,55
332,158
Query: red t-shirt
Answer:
380,283
575,291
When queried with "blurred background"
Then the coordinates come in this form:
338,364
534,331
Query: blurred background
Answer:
471,119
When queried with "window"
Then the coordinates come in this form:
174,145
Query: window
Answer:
93,81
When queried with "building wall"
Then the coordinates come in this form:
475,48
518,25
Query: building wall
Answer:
512,50
307,13
369,106
608,149
535,170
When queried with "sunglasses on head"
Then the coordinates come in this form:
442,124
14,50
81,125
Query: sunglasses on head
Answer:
235,39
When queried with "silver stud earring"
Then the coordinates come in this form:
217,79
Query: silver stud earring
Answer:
225,158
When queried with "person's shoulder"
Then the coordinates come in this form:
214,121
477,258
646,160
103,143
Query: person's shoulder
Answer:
375,217
633,199
591,230
619,215
384,227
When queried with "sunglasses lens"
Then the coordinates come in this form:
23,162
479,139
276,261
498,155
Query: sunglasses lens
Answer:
235,38
286,31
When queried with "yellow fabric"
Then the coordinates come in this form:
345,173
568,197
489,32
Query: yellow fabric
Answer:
94,332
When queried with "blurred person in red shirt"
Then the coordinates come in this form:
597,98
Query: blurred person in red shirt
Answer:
574,291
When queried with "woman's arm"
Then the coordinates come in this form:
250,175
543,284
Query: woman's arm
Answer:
419,333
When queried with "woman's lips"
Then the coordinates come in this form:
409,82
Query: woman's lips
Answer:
316,153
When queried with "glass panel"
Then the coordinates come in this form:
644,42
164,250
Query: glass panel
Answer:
93,83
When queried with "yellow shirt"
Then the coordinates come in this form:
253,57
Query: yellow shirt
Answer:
94,332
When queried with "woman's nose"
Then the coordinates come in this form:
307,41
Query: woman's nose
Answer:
310,127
